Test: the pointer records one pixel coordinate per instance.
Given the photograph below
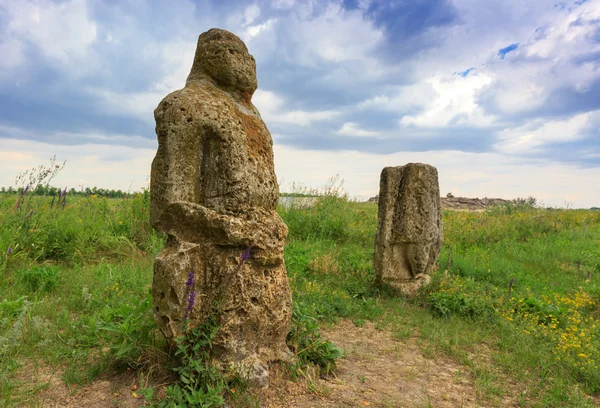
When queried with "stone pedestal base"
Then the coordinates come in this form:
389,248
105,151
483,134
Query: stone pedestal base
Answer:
408,287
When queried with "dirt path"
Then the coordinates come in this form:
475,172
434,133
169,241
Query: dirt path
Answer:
376,371
106,391
379,371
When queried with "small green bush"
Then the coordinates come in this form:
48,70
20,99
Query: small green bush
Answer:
201,384
307,344
43,278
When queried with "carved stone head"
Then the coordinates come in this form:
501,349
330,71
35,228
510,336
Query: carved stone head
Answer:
223,57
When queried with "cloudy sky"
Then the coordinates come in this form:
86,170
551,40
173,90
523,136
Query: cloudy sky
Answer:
503,97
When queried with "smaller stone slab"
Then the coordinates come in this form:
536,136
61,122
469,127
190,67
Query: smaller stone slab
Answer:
409,231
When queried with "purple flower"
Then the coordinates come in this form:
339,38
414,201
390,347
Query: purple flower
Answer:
59,194
64,202
191,297
26,189
30,214
246,254
9,252
190,281
65,192
190,304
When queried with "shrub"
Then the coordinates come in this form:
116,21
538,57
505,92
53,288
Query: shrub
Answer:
39,278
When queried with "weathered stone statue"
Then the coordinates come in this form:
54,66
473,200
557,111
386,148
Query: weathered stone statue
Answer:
214,193
409,233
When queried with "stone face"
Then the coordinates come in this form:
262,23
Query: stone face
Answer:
214,193
409,231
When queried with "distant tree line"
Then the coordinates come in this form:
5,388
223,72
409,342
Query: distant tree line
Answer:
41,190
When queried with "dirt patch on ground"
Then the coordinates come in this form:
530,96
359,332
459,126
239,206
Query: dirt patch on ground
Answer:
379,371
108,390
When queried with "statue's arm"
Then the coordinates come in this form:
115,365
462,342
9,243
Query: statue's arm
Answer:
175,167
193,222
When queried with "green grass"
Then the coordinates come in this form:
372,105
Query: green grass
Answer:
75,294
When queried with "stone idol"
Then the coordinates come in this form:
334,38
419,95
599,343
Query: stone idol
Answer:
214,193
409,231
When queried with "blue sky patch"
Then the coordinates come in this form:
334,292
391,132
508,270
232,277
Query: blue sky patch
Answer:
503,51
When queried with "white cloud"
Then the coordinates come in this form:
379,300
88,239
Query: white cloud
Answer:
305,118
567,32
455,103
401,98
465,174
138,104
67,138
173,59
63,32
336,36
255,30
531,136
100,164
352,129
548,60
271,107
251,13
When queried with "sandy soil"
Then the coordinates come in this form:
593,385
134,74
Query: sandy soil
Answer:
377,370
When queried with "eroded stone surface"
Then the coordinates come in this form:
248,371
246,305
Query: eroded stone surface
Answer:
214,192
409,231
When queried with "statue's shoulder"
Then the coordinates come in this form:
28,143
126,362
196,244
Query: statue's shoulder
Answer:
197,102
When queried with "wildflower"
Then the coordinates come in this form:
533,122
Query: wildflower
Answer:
26,189
191,297
190,281
246,254
9,252
30,214
190,304
52,203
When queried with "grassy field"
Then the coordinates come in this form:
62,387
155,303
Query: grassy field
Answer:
515,298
